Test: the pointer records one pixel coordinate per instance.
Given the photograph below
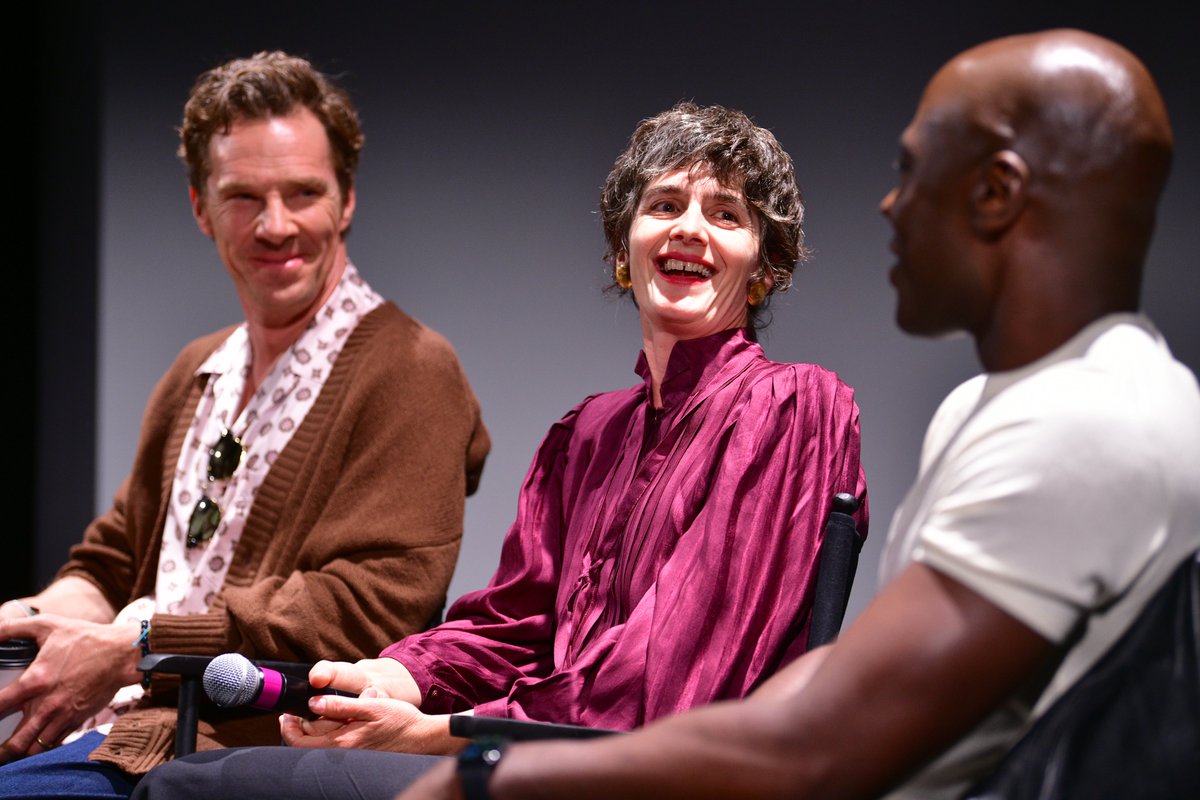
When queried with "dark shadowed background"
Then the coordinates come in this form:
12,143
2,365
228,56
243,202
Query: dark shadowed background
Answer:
490,127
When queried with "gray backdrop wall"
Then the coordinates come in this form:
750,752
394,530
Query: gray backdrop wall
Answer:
490,127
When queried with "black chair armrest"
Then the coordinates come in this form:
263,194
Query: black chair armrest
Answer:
469,726
174,664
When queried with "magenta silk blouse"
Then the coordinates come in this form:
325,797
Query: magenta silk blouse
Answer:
660,559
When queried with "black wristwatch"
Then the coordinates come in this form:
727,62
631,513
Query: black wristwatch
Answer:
475,765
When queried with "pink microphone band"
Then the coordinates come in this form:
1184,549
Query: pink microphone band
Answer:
271,690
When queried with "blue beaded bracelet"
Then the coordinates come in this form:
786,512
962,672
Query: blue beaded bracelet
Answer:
144,641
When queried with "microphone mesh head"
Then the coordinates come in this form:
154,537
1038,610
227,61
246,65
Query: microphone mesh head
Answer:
231,680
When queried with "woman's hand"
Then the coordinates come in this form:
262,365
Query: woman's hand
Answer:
371,721
389,677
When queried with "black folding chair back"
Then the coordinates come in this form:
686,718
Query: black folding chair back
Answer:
1130,727
836,567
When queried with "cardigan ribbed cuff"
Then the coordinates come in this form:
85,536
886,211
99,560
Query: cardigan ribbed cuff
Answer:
204,634
141,740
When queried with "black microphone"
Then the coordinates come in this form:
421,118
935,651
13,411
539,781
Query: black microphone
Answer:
233,681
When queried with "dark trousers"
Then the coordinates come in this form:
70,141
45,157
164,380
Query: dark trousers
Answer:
284,773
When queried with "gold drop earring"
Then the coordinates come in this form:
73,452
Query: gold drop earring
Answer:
621,275
758,291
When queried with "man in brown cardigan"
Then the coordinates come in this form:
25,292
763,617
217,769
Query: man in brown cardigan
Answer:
298,486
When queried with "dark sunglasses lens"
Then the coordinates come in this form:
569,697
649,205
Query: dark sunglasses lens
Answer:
206,517
225,456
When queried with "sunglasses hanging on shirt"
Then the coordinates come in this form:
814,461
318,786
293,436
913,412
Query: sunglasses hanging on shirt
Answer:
223,461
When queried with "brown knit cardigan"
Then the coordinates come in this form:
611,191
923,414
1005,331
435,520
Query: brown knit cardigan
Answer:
351,541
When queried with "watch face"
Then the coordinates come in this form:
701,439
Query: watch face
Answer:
490,755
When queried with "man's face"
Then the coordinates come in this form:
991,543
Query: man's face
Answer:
937,287
272,205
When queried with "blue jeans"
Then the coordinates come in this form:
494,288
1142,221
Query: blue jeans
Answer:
65,773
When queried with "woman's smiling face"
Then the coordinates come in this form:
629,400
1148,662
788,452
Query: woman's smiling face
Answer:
693,247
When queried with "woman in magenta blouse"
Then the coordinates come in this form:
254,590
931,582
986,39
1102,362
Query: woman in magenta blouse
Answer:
665,545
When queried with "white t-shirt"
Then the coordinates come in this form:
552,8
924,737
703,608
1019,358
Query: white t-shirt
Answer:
1065,492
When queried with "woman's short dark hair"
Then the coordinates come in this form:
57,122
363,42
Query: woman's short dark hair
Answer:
736,152
265,85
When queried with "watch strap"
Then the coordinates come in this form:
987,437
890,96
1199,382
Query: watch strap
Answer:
475,766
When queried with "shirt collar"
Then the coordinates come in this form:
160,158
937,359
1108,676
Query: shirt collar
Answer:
695,362
234,353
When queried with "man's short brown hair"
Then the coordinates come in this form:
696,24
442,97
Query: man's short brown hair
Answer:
267,84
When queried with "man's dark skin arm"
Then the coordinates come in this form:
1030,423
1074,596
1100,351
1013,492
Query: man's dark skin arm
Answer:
924,663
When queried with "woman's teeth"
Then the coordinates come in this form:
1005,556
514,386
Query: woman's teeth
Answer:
689,267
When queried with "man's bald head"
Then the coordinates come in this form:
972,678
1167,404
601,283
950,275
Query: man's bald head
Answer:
1030,176
1072,104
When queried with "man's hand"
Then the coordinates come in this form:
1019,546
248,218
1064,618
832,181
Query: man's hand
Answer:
371,721
79,666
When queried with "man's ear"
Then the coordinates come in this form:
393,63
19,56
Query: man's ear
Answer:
348,206
999,196
199,212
